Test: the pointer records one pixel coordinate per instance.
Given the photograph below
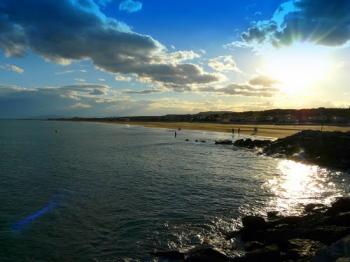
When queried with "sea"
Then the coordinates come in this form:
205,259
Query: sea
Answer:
81,191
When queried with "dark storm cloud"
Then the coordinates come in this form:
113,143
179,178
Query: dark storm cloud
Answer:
67,30
323,22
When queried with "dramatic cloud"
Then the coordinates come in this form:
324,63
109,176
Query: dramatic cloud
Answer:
67,30
130,6
242,90
142,92
180,56
259,32
259,86
120,77
223,64
12,68
73,100
322,22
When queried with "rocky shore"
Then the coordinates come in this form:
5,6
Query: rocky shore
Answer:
320,234
326,149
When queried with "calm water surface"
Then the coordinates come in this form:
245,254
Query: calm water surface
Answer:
104,192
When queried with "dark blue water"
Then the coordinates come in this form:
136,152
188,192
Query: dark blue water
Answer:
104,192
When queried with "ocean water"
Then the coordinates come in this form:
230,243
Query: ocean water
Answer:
106,192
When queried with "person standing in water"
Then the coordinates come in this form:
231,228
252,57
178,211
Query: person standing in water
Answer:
175,134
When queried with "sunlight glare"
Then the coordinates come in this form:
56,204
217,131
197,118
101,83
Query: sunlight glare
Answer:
298,67
298,184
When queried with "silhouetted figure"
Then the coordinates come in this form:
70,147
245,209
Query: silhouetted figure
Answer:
239,130
175,134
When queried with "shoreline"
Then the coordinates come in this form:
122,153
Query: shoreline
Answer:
264,130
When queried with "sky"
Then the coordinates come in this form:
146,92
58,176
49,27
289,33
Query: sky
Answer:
101,58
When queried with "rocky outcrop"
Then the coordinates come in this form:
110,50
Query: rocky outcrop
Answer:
328,149
251,144
198,254
320,234
297,238
223,142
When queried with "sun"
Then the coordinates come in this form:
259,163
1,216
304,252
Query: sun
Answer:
299,67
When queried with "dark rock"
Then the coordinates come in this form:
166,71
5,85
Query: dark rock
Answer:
340,205
341,219
253,227
232,234
249,143
205,254
338,251
187,139
273,215
203,141
329,149
252,245
169,254
267,253
290,220
223,142
253,223
324,234
302,248
314,208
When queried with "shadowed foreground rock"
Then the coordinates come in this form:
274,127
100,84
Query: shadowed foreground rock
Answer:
223,142
328,149
321,234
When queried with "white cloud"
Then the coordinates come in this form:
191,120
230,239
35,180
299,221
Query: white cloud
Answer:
223,64
80,105
125,78
130,6
12,68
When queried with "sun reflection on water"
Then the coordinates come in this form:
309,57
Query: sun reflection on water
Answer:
297,184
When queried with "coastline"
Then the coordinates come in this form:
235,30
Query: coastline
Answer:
269,131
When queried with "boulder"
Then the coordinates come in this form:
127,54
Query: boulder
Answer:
269,253
252,245
329,149
326,234
273,215
170,255
302,248
340,205
206,254
341,219
249,143
338,251
253,223
314,208
223,142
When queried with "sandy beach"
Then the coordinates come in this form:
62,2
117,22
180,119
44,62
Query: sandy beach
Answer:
275,131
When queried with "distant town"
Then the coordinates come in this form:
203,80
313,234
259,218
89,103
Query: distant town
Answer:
329,116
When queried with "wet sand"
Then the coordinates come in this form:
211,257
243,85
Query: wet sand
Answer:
274,131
